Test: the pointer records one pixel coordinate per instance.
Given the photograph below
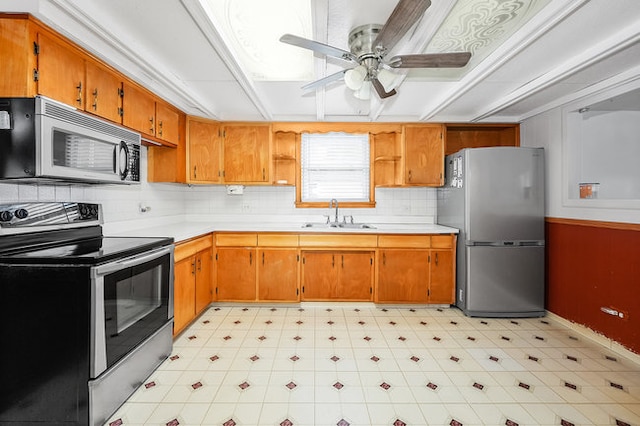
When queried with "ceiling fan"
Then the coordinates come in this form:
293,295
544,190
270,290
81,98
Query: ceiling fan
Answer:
369,44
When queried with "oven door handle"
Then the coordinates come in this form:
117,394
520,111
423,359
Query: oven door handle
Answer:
131,261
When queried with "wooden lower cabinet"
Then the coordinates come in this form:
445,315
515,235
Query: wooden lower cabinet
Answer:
278,270
337,275
192,280
416,269
236,274
403,275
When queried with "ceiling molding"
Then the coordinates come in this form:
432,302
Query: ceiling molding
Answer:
618,42
542,23
150,70
217,41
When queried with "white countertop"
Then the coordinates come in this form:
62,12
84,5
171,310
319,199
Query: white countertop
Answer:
185,229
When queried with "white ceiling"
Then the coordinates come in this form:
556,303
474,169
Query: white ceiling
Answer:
564,50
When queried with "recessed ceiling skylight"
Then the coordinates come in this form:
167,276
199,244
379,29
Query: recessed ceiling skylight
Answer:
252,29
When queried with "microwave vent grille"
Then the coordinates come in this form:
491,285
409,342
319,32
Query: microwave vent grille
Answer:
72,116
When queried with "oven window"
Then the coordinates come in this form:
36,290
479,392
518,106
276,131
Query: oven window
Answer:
136,304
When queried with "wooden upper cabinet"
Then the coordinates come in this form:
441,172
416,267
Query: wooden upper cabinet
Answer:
424,155
167,122
61,71
103,94
203,151
476,135
19,61
246,150
138,109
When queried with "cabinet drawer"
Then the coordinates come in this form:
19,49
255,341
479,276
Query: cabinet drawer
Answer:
191,247
277,240
236,240
442,241
408,241
333,241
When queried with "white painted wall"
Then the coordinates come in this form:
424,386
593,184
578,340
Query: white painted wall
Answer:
122,202
546,130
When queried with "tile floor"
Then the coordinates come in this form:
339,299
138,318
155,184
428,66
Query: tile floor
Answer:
368,365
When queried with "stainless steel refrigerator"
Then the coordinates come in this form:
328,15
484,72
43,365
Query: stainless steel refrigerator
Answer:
495,197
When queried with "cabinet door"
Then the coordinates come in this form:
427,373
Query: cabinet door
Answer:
424,155
403,275
441,286
246,154
138,109
183,293
278,274
355,276
167,123
319,275
203,151
103,92
61,71
236,273
203,280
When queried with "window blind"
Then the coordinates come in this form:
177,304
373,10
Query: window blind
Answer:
335,165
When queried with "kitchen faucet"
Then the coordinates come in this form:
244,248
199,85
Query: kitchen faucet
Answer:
334,203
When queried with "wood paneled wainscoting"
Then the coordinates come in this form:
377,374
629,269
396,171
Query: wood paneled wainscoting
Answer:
593,266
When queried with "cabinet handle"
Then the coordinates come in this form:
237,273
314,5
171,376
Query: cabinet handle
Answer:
95,99
343,261
384,259
263,258
263,174
333,260
195,172
410,176
160,128
193,267
199,265
151,119
436,259
79,99
250,258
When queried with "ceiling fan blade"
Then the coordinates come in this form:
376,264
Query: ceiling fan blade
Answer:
318,47
324,81
380,90
431,60
405,14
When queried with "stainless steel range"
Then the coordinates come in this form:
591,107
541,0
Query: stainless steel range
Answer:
84,318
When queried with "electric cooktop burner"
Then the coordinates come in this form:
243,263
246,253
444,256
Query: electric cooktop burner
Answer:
64,233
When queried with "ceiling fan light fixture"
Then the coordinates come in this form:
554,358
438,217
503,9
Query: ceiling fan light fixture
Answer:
364,92
354,78
387,78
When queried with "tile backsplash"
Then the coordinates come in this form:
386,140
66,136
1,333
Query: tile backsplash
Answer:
123,202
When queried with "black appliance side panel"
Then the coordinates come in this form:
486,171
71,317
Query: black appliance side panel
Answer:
44,327
18,144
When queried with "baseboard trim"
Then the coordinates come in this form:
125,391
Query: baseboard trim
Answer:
596,337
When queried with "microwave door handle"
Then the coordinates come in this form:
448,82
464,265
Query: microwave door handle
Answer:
124,151
115,159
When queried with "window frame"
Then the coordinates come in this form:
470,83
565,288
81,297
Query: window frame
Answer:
323,204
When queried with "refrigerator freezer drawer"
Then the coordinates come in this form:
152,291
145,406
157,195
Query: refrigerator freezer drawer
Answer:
504,281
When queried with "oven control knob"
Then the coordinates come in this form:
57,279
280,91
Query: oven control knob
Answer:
21,213
6,216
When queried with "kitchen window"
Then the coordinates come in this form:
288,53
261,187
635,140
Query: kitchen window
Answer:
335,165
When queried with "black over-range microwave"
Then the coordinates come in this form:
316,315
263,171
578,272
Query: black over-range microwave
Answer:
41,139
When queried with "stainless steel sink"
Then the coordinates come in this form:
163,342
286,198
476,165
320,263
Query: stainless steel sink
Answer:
342,225
319,225
356,226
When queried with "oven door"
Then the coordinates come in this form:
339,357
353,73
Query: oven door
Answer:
132,298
